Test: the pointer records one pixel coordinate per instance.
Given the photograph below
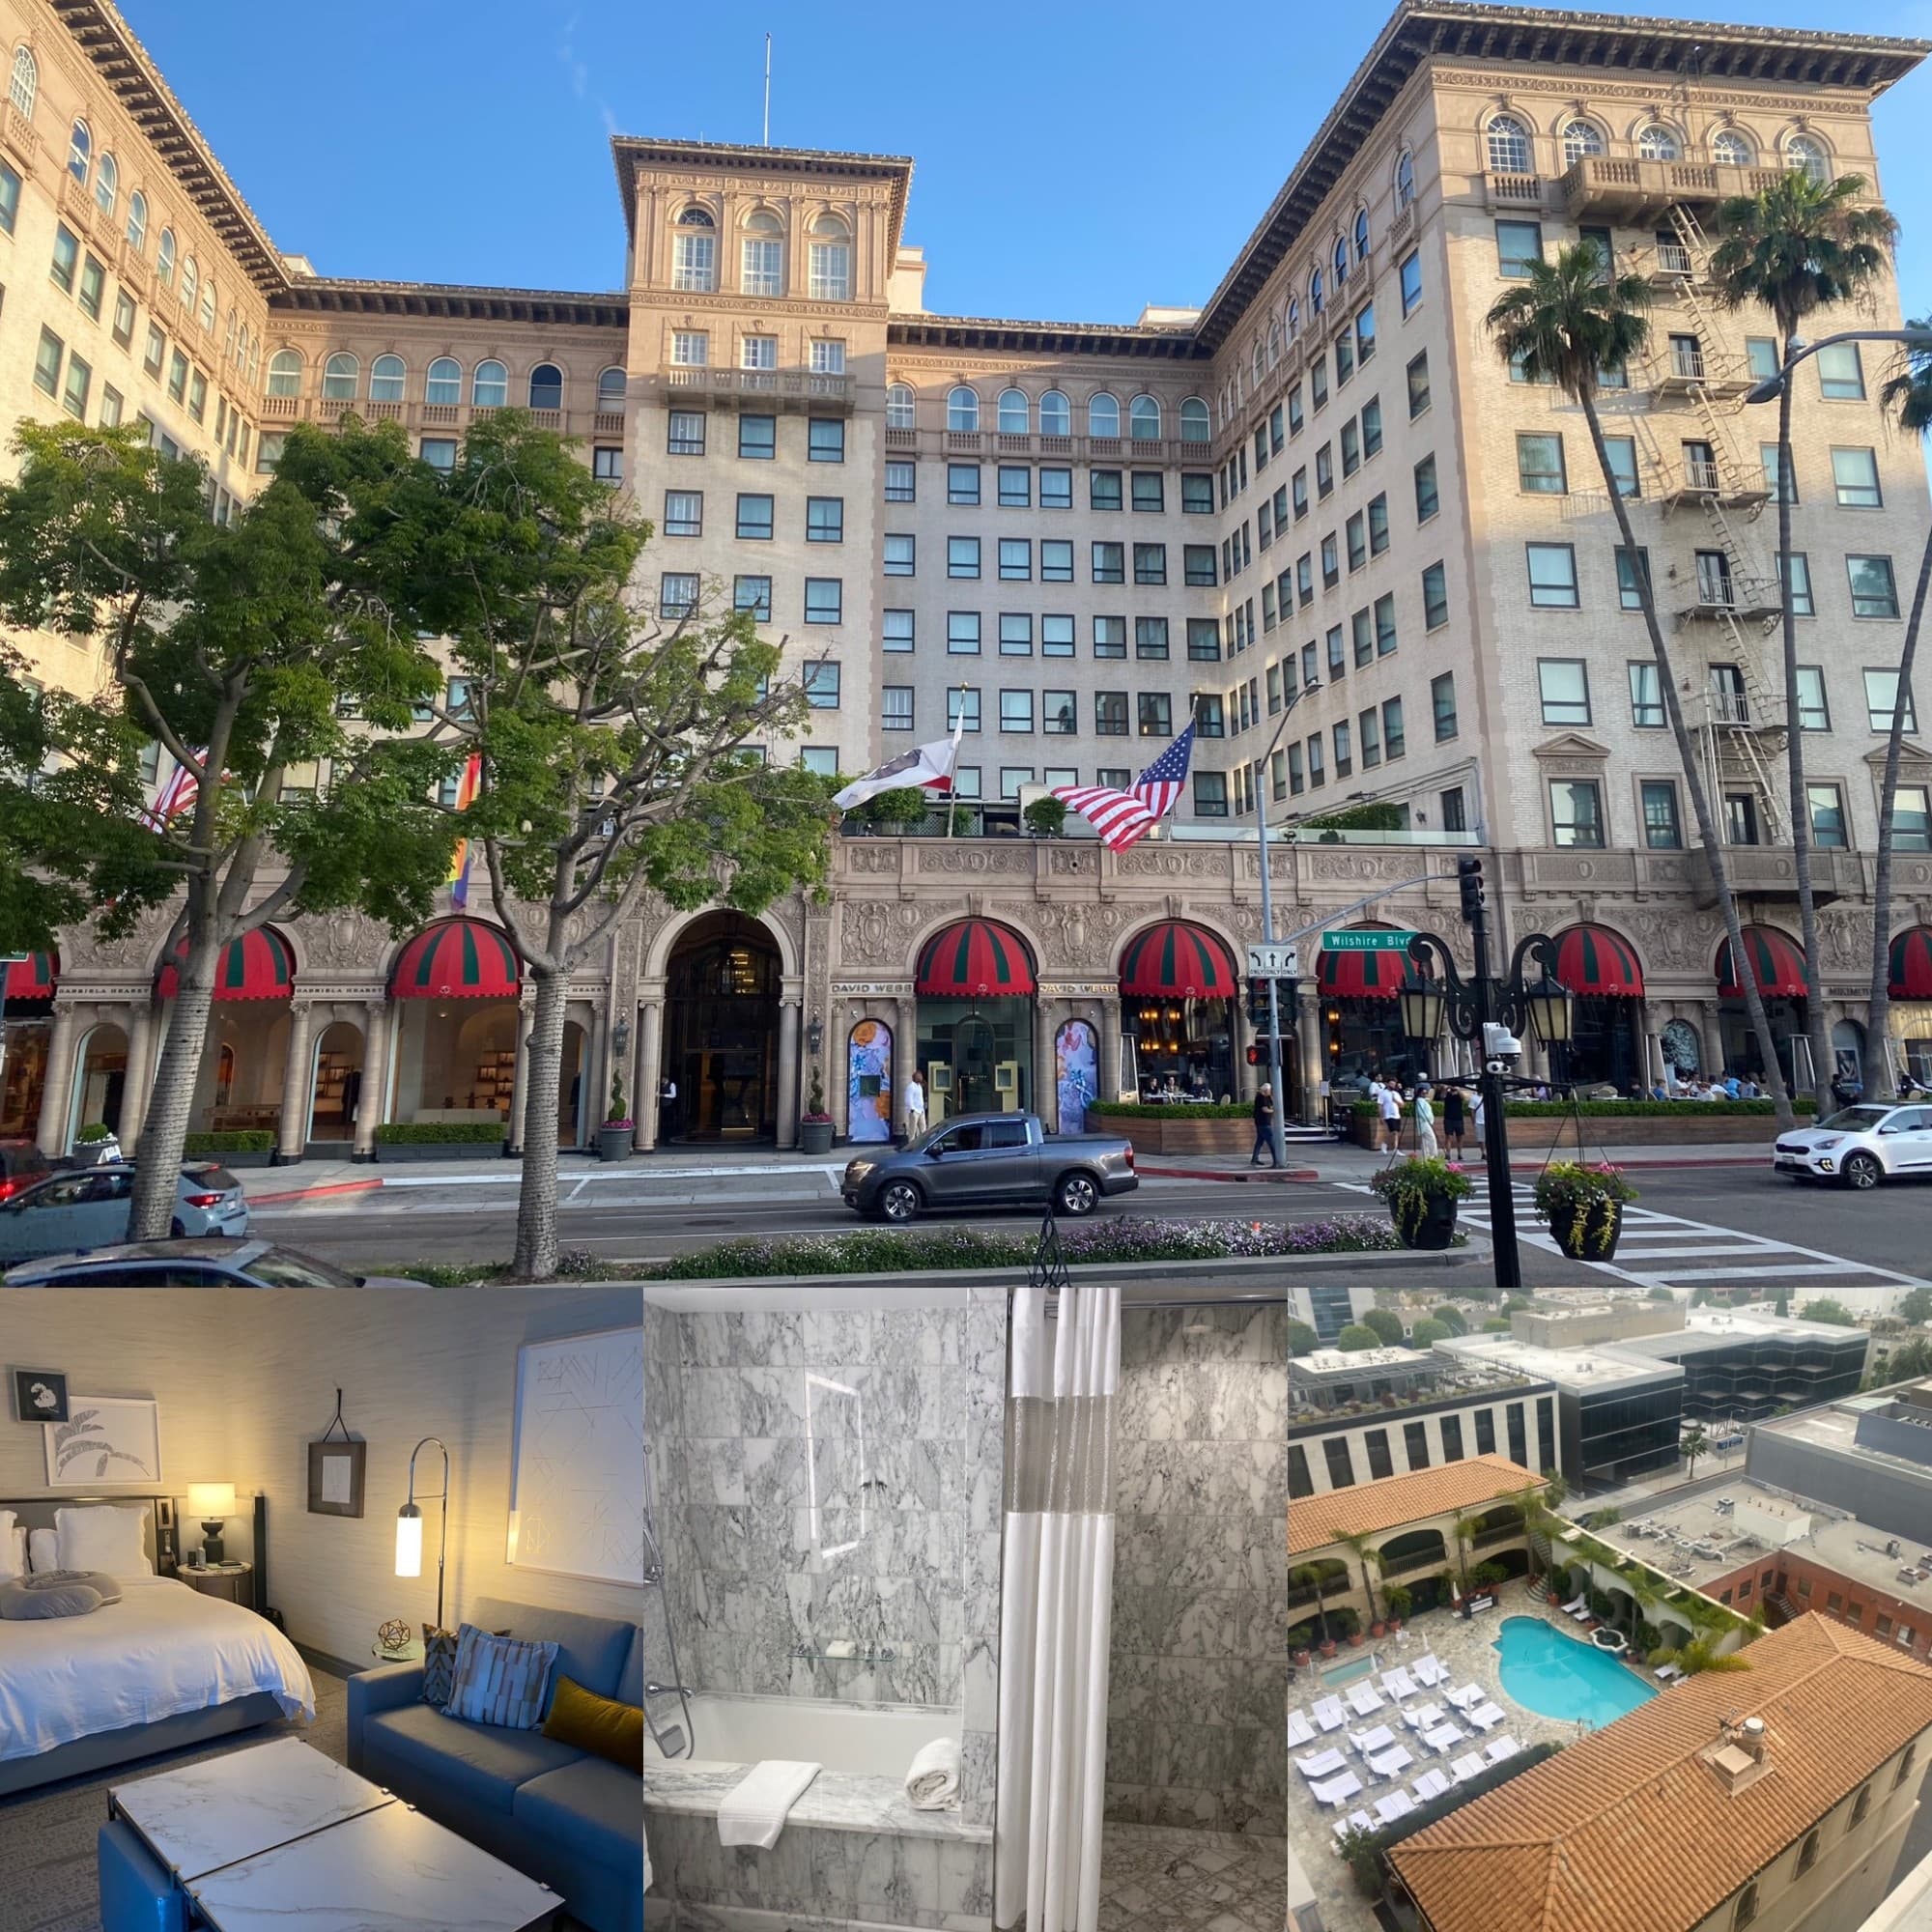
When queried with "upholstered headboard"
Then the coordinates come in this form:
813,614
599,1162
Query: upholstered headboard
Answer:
159,1538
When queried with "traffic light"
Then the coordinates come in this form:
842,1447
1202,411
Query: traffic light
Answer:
1470,881
1258,1003
1256,1056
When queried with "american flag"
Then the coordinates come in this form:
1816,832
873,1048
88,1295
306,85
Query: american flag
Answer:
175,797
1122,818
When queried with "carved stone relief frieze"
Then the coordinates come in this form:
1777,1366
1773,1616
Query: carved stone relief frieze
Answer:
882,932
970,858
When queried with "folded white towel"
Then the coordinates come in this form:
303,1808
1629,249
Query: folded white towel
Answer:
933,1781
754,1812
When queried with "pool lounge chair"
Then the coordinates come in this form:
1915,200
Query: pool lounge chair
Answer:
1465,1766
1355,1821
1466,1697
1502,1748
1320,1764
1368,1742
1328,1713
1338,1790
1397,1805
1424,1718
1584,1615
1362,1698
1444,1737
1485,1716
1430,1784
1391,1763
1299,1730
1428,1669
1669,1672
1399,1684
1575,1606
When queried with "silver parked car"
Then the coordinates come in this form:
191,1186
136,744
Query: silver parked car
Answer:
89,1208
194,1264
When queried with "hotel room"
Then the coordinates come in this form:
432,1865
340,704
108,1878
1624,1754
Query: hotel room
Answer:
329,1596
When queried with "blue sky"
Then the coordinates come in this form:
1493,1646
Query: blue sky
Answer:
1072,162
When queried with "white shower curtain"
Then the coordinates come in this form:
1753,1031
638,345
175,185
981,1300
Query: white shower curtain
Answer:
1055,1611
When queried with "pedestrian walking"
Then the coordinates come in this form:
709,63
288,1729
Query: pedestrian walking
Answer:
1453,1124
1391,1105
915,1108
1264,1126
1425,1124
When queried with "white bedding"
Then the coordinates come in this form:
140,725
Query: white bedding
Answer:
162,1650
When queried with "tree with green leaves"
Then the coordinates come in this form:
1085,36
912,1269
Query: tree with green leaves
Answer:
1451,1317
1800,248
1908,394
1427,1333
1315,1577
1370,1560
1566,323
1354,1337
238,648
1691,1444
1386,1324
1302,1339
1781,1304
1825,1309
1916,1306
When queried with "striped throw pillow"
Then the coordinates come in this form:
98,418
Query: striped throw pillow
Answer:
499,1680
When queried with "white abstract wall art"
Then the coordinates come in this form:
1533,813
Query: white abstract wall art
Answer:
106,1442
576,1468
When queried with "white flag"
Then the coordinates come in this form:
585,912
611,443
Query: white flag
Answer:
930,766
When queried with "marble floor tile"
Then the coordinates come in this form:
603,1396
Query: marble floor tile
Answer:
1166,1879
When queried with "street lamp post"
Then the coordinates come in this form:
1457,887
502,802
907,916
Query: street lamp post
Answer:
1278,1139
1766,391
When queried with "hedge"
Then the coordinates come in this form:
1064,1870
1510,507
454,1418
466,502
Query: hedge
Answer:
250,1140
1199,1110
1629,1110
438,1133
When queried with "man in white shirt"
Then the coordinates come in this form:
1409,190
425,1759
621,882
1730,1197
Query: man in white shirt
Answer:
1392,1117
1425,1124
915,1108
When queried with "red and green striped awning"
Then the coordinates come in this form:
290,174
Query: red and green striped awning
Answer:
974,959
1593,959
1776,965
1177,959
1911,974
457,960
257,966
1363,975
33,977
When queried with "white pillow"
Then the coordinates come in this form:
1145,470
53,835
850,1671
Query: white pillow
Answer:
13,1553
42,1551
105,1537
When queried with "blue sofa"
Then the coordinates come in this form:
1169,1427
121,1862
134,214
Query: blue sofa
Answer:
574,1821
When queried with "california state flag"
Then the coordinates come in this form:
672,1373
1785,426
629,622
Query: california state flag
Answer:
928,766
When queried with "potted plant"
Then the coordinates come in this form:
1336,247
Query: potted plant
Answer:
1396,1601
1349,1622
613,1137
814,1127
1584,1207
1421,1196
96,1145
901,810
1046,817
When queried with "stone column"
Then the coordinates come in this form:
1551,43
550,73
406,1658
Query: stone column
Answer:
297,1083
1653,1059
832,1068
520,1082
645,1102
1309,1030
787,1136
141,1079
1711,1027
1107,1076
905,1059
1247,1079
57,1093
372,1102
1044,1098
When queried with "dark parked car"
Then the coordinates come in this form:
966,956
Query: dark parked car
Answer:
991,1160
207,1263
21,1164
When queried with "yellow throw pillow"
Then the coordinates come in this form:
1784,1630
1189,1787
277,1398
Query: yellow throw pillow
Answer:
600,1724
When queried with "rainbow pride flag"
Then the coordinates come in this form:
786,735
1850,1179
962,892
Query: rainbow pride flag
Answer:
458,880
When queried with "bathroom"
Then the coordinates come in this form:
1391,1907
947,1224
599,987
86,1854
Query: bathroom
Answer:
831,1476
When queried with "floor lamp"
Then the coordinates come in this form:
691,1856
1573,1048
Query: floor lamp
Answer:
410,1524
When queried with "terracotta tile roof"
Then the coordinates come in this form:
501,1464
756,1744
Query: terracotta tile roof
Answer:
1316,1521
1629,1830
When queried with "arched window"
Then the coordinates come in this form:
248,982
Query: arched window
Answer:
1341,260
338,376
1509,145
610,388
210,302
828,260
1056,414
761,255
1274,342
23,90
138,222
190,285
1293,318
898,406
164,259
1361,234
1731,149
1103,414
1260,359
80,153
546,387
386,380
1582,139
1194,424
489,386
445,382
285,373
1144,419
1316,297
228,336
1015,417
1656,143
1808,157
694,252
1404,180
962,408
107,184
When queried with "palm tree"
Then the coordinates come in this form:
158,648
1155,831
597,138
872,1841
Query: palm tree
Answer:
1908,392
1464,1532
1798,246
1313,1576
1701,1655
1567,323
1694,1444
1371,1564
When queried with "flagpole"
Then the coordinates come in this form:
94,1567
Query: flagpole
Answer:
953,776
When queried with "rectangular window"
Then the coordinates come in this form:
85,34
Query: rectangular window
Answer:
1855,475
1345,357
1661,830
47,359
1015,486
1150,563
1341,1469
1352,448
1426,499
1518,244
1519,1444
1015,634
1056,489
1874,593
1379,524
10,198
1442,701
1299,1482
1056,636
962,714
1156,709
963,634
1646,700
759,352
754,516
1056,560
1317,385
684,513
1147,493
825,520
753,594
689,349
895,629
1761,357
1564,686
1539,465
197,396
1813,712
1210,795
1486,1431
158,349
827,357
824,440
1911,819
111,404
1576,814
824,600
74,394
1197,494
1798,585
1104,489
1110,637
1434,597
1198,564
1203,640
1016,711
962,483
1339,735
1365,336
1410,274
1110,714
896,707
901,482
1109,563
1826,806
901,554
1740,818
1357,533
1058,714
821,686
677,593
1331,562
1632,574
1363,627
1015,559
124,318
1372,428
1338,665
1295,781
685,433
1622,452
1295,414
606,464
761,267
757,439
1881,697
1385,637
1767,456
1418,385
1318,771
1552,577
438,451
1452,1438
1841,378
67,255
92,285
1415,1444
177,376
962,557
1393,742
1150,637
1300,494
1325,471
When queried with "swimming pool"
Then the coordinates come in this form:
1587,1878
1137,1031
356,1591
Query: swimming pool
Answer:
1555,1675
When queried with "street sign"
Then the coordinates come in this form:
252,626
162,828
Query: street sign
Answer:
1354,941
1274,962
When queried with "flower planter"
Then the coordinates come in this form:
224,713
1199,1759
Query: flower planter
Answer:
1301,1660
1378,1628
1431,1231
814,1137
1355,1639
613,1141
1588,1231
1328,1646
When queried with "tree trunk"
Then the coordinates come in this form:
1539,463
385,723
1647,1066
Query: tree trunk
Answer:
1794,753
535,1258
1693,783
158,1170
1878,1013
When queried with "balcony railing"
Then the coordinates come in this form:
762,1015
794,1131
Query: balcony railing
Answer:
758,388
1636,187
413,415
1512,190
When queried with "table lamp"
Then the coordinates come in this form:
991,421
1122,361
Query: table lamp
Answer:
214,1504
409,1527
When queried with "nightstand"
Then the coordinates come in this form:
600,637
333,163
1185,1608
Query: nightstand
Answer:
233,1580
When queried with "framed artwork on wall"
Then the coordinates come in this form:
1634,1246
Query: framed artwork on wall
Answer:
39,1395
106,1442
335,1478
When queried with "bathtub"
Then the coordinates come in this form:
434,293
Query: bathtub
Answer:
877,1740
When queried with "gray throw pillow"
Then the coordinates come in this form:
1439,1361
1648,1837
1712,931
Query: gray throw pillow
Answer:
106,1587
46,1597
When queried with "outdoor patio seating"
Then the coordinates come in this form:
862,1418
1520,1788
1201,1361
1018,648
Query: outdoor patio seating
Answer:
1430,1784
1428,1669
1337,1790
1465,1766
1355,1821
1328,1713
1485,1716
1397,1805
1363,1698
1502,1748
1425,1717
1399,1684
1576,1606
1391,1763
1465,1696
1320,1764
1444,1736
1667,1672
1299,1730
1371,1740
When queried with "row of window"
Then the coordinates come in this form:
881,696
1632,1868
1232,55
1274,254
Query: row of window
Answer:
1338,1450
1553,582
1283,330
1376,736
1354,348
444,382
1107,562
1563,689
1511,145
1541,468
758,437
1116,714
1141,490
1576,815
1014,414
761,255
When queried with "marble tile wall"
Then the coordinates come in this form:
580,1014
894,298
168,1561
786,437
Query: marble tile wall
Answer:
664,1437
1198,1670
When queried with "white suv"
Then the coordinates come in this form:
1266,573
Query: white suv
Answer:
1860,1145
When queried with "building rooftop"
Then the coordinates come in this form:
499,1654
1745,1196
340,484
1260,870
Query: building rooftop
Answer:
1709,1328
1359,1361
1633,1830
1596,1367
1313,1523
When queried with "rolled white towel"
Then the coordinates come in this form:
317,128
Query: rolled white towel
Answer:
933,1781
754,1812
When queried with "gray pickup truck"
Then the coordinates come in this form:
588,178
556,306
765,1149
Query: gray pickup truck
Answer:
991,1160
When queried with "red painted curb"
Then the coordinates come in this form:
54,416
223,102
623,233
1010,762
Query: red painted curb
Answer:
314,1193
1212,1174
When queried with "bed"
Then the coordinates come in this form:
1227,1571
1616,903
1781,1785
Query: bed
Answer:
165,1666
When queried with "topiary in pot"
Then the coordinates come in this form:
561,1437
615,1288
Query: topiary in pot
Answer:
613,1137
814,1128
1046,817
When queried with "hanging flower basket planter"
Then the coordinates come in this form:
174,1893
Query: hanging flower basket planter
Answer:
1583,1206
1422,1197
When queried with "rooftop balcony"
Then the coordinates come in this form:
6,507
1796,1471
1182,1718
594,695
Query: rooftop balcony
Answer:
1639,192
1698,482
758,390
